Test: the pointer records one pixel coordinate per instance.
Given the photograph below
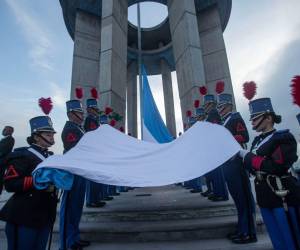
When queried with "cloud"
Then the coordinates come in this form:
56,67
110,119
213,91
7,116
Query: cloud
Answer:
59,95
40,44
253,41
275,83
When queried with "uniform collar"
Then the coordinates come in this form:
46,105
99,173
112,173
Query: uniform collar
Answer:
4,137
75,124
92,116
264,135
226,116
43,151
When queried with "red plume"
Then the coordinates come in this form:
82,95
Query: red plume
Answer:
220,86
46,105
94,93
108,110
112,122
249,90
203,90
196,104
296,90
79,93
188,113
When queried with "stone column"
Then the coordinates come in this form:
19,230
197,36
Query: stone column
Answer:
187,51
168,96
132,72
87,37
213,50
113,56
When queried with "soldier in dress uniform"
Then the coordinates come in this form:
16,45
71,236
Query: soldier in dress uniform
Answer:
191,120
272,154
216,186
6,145
30,213
196,183
73,200
92,122
237,178
7,142
106,190
200,114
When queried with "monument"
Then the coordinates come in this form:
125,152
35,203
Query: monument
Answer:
189,41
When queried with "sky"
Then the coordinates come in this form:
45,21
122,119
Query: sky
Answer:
262,40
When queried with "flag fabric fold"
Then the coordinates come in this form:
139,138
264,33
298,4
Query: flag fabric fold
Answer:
110,157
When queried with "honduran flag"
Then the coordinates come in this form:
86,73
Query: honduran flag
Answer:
154,128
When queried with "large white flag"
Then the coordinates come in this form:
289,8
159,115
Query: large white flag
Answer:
111,157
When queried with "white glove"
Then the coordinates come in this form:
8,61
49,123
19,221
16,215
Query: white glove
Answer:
243,152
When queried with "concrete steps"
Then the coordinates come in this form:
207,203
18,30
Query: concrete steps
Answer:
169,214
123,216
165,230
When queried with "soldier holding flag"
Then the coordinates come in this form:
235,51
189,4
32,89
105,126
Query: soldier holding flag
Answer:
92,122
237,178
270,158
73,200
30,213
216,186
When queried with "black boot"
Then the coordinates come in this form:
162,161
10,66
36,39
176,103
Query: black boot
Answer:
206,193
244,239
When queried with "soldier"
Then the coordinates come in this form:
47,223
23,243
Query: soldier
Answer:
93,189
272,154
104,119
29,213
200,114
190,122
6,145
196,183
236,177
7,142
216,186
73,200
193,184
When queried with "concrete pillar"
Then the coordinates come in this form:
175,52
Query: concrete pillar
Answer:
113,56
168,97
87,37
132,72
187,51
215,60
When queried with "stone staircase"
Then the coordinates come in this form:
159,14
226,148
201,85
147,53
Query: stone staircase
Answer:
170,214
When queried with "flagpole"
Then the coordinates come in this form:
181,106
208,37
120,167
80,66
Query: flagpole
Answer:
140,66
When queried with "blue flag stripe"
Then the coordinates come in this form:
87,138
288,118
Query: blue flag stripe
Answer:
152,117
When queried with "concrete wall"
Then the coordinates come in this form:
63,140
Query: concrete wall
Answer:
85,70
187,51
113,56
215,60
132,72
